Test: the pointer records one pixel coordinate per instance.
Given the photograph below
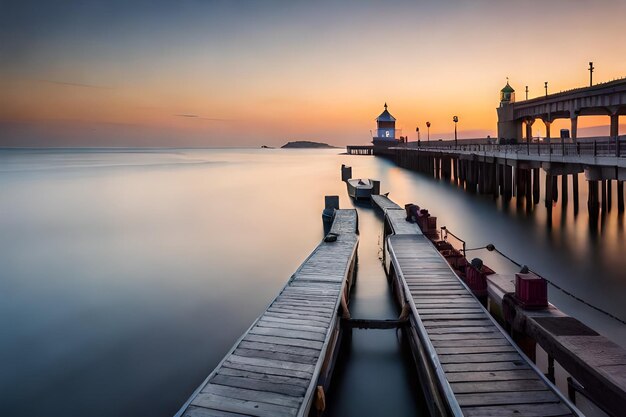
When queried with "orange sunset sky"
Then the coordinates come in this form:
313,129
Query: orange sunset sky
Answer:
245,73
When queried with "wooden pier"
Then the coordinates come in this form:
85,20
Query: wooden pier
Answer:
281,366
360,150
475,367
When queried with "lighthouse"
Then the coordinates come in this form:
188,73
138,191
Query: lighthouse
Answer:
385,126
509,129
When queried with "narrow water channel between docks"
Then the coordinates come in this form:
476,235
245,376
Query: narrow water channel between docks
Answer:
374,374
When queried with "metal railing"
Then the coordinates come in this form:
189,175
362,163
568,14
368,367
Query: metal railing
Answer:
595,148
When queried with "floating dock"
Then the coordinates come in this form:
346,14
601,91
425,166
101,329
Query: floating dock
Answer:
474,367
282,364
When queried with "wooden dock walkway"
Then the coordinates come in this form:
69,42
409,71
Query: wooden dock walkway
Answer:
282,363
383,203
479,370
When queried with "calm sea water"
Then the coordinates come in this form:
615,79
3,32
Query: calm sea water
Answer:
125,275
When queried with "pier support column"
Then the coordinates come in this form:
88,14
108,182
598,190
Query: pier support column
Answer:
555,188
508,181
528,189
604,194
495,170
609,194
614,127
620,196
549,185
548,137
574,129
575,191
536,187
592,200
564,191
455,169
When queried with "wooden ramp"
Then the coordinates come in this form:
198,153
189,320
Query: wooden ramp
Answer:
480,371
277,365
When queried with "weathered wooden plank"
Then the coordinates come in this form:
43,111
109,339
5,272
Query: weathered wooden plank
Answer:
294,334
534,384
459,330
452,316
298,316
479,357
266,370
263,376
495,341
271,363
194,411
301,311
246,407
288,341
259,385
294,350
290,326
484,366
491,376
279,356
475,349
300,321
519,410
433,324
504,398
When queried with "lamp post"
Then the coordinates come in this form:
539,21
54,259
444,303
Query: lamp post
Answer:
591,68
545,85
455,120
428,130
526,92
417,129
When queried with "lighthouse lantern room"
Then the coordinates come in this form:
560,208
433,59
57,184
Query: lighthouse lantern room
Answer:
386,126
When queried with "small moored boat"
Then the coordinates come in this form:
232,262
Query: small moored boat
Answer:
359,188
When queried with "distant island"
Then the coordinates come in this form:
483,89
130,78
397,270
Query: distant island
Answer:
307,144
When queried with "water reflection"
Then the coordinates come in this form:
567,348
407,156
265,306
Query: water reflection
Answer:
126,276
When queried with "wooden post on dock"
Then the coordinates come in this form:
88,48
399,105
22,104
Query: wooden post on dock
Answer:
620,196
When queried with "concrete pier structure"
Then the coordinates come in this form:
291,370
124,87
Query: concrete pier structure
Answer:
607,99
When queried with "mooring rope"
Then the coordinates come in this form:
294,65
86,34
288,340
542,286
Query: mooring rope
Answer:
491,247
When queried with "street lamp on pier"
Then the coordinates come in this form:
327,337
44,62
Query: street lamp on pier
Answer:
526,92
455,119
545,85
417,129
428,130
591,68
